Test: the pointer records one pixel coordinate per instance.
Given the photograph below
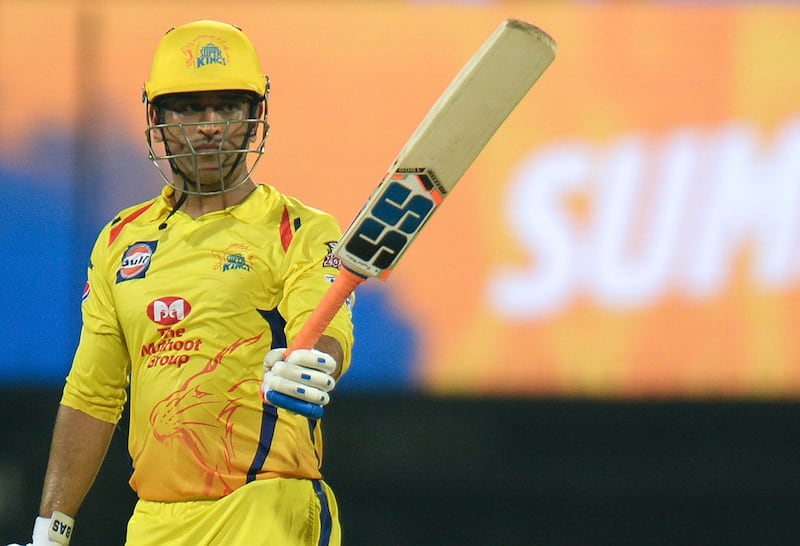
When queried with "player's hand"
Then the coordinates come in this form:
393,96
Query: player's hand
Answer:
53,531
301,383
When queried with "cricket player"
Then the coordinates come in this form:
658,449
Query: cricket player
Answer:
190,302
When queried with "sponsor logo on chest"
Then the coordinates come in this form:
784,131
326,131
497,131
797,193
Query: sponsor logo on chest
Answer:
136,261
168,310
174,346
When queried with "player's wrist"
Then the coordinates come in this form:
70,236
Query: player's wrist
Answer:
53,531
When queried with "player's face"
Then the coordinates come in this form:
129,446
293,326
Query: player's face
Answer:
205,130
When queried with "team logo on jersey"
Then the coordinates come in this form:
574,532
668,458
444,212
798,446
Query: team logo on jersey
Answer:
202,417
204,51
136,261
168,310
236,257
330,259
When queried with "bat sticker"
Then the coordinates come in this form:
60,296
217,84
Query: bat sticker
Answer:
382,232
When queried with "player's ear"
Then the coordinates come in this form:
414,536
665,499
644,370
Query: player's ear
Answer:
153,119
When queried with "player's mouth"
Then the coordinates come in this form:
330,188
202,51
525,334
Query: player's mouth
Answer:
207,148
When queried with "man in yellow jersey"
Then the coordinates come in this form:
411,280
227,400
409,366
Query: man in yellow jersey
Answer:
191,299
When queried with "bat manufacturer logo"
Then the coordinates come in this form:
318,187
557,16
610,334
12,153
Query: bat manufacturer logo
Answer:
168,310
383,230
136,260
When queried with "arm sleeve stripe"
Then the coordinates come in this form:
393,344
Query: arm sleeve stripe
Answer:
286,230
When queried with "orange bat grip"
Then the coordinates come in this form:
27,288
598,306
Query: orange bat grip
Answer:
344,285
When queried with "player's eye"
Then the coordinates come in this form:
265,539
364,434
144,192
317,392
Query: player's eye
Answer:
231,108
183,107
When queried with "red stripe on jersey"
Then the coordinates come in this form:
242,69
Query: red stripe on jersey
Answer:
286,230
130,218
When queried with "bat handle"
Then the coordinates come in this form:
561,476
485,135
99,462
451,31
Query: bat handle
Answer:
344,285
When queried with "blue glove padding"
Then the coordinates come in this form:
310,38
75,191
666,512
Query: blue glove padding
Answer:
306,409
301,382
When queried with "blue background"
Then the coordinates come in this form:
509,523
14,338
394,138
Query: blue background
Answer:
46,232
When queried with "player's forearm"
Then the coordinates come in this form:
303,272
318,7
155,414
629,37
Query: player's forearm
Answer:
79,445
328,344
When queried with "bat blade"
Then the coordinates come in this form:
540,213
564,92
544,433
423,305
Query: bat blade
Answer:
477,102
438,153
444,145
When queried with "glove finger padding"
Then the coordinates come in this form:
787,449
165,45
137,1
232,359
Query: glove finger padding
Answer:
304,375
308,358
272,357
295,389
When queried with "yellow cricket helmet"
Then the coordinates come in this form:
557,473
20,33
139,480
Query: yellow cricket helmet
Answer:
204,56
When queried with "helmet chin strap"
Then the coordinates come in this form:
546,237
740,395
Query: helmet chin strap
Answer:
179,204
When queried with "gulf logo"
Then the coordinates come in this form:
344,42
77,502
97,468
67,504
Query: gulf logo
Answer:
136,261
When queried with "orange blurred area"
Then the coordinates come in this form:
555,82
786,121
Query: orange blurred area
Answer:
641,198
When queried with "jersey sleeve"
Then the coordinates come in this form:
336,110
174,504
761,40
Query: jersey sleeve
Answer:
310,273
98,378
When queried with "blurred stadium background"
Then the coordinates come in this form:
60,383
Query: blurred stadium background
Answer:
593,342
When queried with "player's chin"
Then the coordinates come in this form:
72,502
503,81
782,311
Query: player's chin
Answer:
212,180
215,162
208,171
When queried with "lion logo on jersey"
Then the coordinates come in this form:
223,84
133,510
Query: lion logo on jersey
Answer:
201,419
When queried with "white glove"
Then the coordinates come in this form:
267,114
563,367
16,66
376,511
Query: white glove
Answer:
300,383
53,531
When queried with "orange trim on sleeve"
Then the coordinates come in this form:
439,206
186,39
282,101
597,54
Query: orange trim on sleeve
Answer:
130,218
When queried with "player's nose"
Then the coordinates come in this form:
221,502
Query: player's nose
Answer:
210,121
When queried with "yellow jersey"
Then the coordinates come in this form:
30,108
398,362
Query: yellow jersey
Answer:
181,313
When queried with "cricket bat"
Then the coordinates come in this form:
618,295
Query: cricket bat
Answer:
436,156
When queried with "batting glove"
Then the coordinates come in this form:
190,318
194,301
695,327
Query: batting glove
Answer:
53,531
300,383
